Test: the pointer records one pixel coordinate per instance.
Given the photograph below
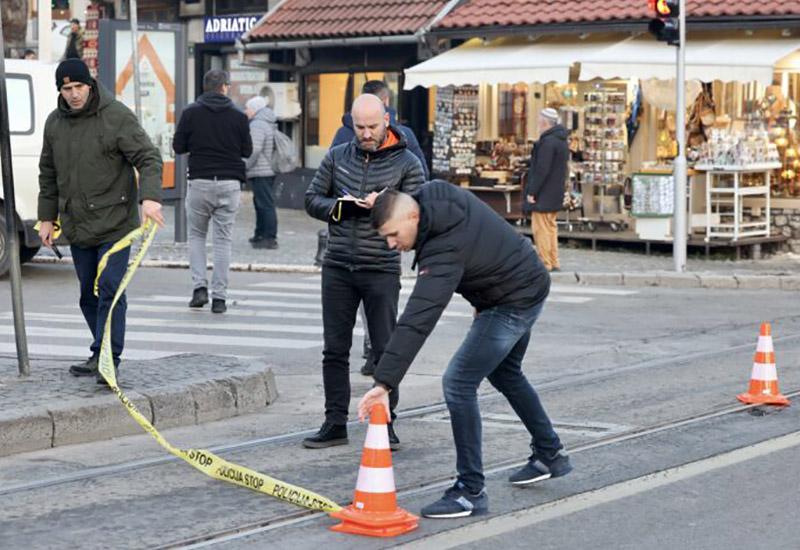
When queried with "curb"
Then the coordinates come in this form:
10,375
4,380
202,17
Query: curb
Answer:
103,417
665,279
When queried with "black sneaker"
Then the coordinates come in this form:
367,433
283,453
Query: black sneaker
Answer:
369,368
218,306
458,502
329,435
87,368
539,469
255,239
394,441
199,297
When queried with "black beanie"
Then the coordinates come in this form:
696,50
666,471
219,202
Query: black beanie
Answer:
72,70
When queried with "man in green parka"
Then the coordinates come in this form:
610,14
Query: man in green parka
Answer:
92,143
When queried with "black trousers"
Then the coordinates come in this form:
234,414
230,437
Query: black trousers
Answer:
342,291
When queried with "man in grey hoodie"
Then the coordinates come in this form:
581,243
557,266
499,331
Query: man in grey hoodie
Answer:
260,174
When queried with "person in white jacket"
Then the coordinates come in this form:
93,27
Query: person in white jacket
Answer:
260,174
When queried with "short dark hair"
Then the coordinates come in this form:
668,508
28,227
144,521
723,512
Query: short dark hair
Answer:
376,87
75,20
383,208
214,80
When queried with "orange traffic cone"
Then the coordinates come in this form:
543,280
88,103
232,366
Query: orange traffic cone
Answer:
764,380
374,511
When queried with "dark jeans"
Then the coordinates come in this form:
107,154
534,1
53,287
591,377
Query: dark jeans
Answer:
493,349
95,308
342,291
264,203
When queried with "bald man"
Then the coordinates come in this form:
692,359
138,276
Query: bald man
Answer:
358,265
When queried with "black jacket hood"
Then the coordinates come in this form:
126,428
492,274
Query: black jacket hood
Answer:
215,101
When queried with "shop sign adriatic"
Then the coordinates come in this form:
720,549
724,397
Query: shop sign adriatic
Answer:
227,28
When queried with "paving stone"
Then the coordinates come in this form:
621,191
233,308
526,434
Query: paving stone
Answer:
271,385
99,418
250,391
172,407
718,281
213,400
640,279
757,282
24,430
564,277
600,278
790,283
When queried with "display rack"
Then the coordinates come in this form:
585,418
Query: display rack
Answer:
604,153
455,130
727,217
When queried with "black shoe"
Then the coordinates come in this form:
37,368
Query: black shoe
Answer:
87,368
369,368
218,306
199,297
539,469
268,244
255,239
394,441
329,435
555,270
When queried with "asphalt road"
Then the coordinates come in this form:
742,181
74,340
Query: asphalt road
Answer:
607,362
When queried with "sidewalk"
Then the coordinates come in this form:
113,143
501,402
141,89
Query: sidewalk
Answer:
297,238
52,408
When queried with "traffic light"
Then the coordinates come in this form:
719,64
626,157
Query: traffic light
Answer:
666,25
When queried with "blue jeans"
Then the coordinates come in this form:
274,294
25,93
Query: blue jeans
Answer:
493,349
264,203
95,308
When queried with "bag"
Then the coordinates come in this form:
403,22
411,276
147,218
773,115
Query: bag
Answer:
284,153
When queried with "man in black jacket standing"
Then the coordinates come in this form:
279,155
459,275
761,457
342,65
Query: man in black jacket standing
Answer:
463,246
545,189
217,137
358,265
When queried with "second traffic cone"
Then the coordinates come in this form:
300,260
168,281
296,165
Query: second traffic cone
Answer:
763,388
374,511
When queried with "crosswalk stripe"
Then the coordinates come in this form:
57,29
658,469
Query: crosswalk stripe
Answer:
82,352
408,289
55,318
176,338
267,303
315,296
566,289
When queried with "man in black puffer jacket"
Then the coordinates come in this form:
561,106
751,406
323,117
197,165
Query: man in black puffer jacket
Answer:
463,246
358,265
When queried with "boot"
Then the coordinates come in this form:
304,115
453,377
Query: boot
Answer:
329,435
218,306
87,368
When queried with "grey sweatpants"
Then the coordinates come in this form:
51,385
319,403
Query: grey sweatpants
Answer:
216,201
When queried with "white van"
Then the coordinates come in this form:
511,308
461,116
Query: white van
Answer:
32,96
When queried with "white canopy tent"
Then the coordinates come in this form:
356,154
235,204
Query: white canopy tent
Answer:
503,62
743,60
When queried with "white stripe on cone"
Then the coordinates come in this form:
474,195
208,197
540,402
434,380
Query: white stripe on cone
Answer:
765,372
765,344
375,480
377,437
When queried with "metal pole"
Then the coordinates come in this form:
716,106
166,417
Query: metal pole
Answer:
137,77
11,218
44,22
679,229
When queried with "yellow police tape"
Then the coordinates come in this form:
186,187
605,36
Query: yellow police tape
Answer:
205,461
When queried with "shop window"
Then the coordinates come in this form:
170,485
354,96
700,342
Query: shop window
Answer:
328,98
